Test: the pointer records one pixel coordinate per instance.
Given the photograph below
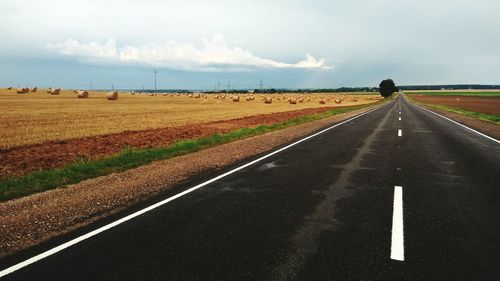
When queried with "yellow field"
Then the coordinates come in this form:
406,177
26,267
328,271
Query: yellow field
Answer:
40,117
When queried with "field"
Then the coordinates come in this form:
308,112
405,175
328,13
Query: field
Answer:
39,117
481,104
479,93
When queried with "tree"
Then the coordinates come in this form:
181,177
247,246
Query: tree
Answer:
387,87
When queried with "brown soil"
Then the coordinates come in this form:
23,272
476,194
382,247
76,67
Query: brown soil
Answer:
488,105
30,220
25,159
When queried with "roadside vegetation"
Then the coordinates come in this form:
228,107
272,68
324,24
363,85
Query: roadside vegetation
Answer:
43,180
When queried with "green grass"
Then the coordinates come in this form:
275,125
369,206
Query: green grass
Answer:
444,93
73,173
492,118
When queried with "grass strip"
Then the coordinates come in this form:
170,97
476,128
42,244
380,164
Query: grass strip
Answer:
491,118
76,172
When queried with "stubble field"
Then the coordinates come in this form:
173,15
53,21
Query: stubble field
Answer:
39,117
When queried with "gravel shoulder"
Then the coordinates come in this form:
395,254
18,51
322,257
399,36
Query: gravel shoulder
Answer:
28,221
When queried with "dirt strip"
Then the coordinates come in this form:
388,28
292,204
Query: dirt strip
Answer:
31,220
484,127
25,159
489,105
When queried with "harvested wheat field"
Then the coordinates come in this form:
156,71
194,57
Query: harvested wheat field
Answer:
40,117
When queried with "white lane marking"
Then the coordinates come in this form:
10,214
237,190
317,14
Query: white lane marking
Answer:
453,121
400,132
156,205
397,239
400,113
399,118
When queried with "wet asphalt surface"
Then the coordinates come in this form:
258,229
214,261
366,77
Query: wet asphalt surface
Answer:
320,210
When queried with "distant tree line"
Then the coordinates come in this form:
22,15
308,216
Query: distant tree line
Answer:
334,90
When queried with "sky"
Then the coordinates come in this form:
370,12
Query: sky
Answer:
196,44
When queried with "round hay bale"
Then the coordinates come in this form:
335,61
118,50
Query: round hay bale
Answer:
236,98
9,88
322,101
34,89
112,95
197,96
338,101
292,100
75,91
268,100
22,90
49,90
55,91
82,94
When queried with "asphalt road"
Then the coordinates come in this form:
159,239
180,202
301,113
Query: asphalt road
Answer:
320,210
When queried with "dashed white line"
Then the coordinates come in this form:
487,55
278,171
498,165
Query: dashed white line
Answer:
400,132
400,113
165,201
397,239
399,118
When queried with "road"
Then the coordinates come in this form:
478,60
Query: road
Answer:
396,194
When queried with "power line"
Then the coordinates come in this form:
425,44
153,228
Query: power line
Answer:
155,78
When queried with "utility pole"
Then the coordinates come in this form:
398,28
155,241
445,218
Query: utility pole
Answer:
218,86
155,79
261,85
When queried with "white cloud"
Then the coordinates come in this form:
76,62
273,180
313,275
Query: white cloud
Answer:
215,55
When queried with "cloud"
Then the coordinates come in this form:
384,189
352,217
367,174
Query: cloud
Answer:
215,55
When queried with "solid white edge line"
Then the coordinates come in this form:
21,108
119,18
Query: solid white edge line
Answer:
400,132
460,124
397,239
156,205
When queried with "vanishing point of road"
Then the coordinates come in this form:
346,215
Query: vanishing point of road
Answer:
398,193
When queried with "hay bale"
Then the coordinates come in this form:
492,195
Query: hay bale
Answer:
197,96
338,101
292,100
236,98
49,90
9,88
268,100
82,94
322,101
75,91
55,91
23,90
34,89
112,95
